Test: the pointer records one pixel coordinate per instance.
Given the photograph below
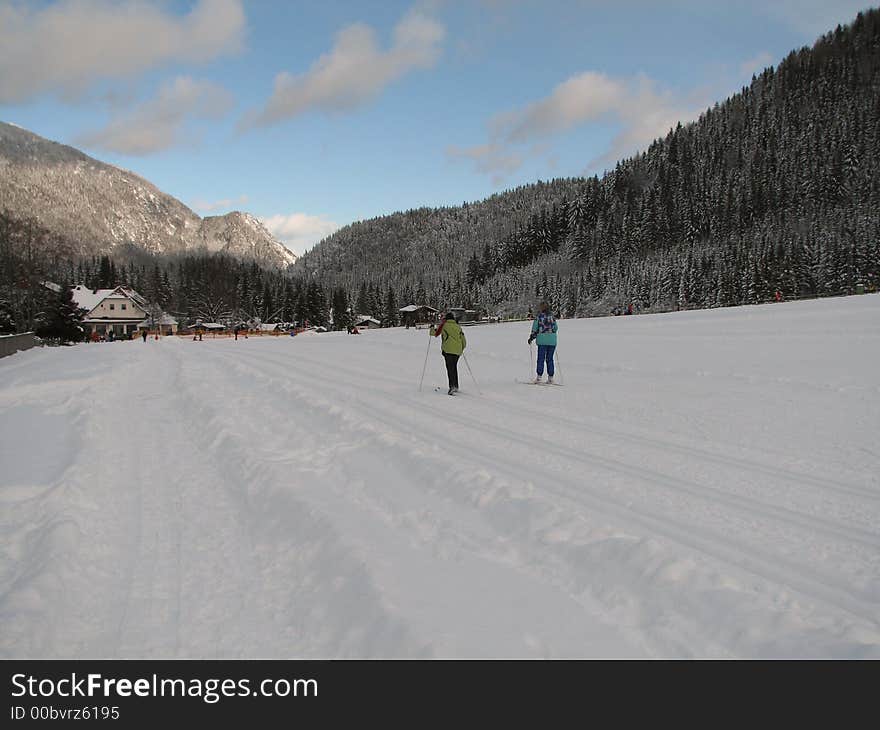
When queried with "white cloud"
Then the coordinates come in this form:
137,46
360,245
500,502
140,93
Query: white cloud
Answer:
646,113
159,123
580,99
299,231
354,72
69,44
492,159
641,111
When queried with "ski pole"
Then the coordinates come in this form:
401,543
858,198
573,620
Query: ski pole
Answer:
472,373
558,367
531,359
426,361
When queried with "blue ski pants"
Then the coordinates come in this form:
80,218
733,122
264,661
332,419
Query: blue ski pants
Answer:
545,354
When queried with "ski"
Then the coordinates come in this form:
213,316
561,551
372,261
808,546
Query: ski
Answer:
532,382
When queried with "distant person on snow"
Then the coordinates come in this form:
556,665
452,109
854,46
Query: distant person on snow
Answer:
544,330
454,342
144,334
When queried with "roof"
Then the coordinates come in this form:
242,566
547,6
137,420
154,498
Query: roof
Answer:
88,299
164,320
366,318
416,308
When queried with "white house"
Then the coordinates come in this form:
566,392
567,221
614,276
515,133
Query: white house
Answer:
121,311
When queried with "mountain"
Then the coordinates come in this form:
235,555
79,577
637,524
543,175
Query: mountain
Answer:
243,236
775,189
100,208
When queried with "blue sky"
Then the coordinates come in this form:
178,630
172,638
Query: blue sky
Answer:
315,114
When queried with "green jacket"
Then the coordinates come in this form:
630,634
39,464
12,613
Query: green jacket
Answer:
452,337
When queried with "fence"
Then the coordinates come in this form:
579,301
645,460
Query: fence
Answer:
10,344
223,334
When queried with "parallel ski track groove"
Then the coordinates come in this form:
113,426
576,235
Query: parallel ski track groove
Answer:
824,590
828,527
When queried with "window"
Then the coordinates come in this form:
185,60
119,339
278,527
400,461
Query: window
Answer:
123,307
112,306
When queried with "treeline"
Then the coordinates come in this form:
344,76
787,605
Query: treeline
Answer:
27,254
37,267
218,288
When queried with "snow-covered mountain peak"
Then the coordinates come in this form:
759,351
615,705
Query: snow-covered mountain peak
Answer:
101,207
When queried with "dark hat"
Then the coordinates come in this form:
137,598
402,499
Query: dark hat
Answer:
450,315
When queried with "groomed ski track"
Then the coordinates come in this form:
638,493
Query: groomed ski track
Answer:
706,485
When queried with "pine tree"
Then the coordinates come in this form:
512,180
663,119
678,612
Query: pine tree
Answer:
269,309
301,308
375,308
106,278
317,313
362,303
342,318
474,271
61,319
391,314
288,302
7,318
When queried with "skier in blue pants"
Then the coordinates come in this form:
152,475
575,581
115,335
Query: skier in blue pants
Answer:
544,330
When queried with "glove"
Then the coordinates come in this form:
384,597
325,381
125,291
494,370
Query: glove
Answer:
532,338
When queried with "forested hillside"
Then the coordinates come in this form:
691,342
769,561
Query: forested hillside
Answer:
103,209
775,189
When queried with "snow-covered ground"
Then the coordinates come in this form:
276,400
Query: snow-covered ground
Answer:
705,484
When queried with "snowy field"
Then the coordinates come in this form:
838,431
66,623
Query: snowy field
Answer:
705,484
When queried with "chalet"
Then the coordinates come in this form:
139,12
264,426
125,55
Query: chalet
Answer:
269,328
413,314
366,322
120,311
463,315
162,323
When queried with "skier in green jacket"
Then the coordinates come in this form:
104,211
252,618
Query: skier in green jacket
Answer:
454,342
